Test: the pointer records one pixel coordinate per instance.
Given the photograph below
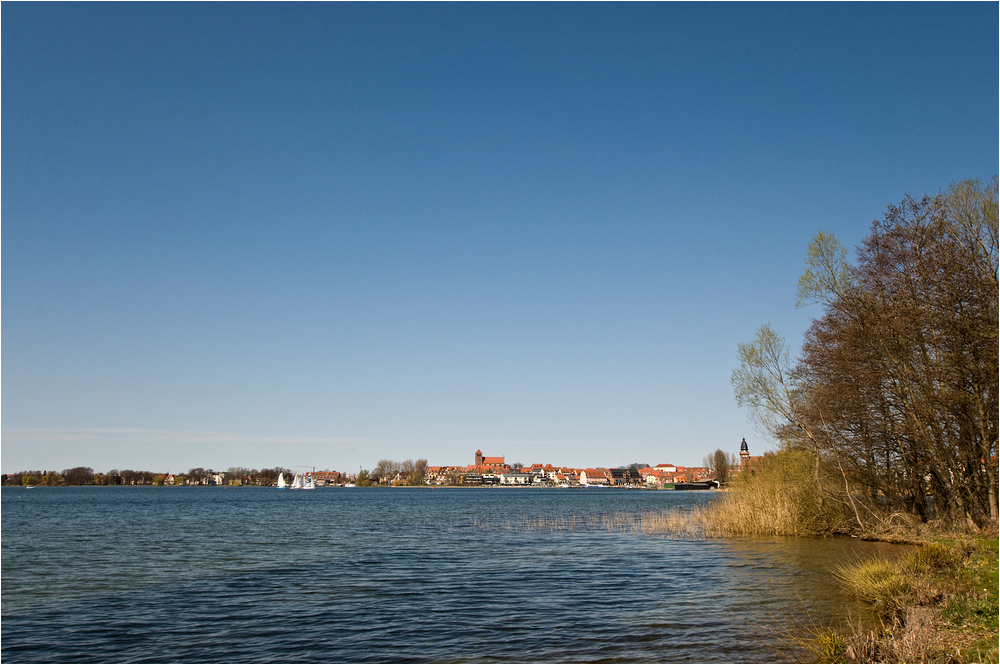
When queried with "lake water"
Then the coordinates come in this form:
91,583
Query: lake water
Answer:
192,574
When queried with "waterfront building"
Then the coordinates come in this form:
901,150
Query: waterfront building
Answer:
516,479
653,476
594,477
326,477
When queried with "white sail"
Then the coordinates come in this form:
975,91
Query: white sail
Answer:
310,483
297,483
281,481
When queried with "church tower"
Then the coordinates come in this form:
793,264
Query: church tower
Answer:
744,456
479,458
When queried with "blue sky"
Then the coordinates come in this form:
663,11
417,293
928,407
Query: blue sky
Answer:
325,234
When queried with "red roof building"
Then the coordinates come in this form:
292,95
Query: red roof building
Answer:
486,464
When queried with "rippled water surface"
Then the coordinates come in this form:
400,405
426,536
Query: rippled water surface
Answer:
164,574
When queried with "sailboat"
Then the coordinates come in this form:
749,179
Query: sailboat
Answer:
297,483
310,484
281,481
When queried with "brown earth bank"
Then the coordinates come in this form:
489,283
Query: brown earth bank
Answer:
937,604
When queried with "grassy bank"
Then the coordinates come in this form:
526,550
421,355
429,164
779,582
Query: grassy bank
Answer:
938,604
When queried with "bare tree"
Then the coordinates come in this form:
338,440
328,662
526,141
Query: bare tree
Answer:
897,386
903,364
386,470
774,392
720,463
419,473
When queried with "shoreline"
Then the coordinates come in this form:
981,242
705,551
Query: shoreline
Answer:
937,603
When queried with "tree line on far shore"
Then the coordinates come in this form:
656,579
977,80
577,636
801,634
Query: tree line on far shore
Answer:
391,472
85,475
386,472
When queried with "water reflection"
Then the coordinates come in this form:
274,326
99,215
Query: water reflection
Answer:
788,585
202,575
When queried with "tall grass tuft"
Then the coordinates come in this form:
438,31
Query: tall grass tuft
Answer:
885,585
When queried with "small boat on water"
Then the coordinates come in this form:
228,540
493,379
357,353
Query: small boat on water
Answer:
706,485
297,482
281,481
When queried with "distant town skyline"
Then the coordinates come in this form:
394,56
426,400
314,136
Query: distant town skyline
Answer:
327,233
480,462
497,460
484,470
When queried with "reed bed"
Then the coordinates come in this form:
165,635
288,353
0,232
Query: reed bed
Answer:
733,515
674,523
779,498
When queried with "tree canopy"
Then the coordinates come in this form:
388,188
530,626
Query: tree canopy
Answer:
896,385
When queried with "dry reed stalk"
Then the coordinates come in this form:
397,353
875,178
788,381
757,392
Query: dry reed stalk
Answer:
672,523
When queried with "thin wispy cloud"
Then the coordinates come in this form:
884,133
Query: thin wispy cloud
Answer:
137,435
